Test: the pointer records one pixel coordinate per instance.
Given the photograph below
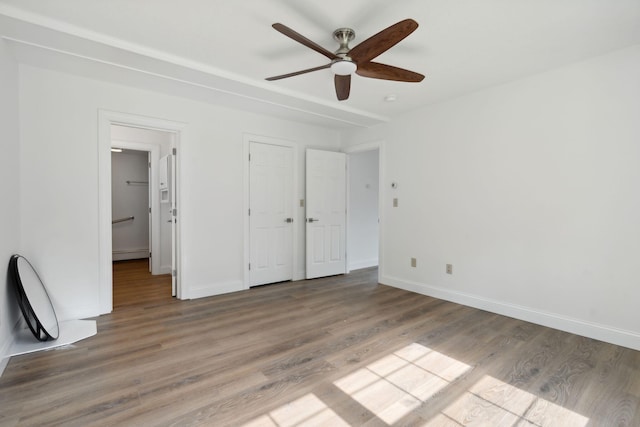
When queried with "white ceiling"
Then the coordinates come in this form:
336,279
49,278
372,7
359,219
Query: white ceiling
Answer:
221,51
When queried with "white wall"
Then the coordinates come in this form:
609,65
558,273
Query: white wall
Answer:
59,188
362,239
10,179
130,239
532,191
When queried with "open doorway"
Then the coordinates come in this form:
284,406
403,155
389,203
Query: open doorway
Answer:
364,206
363,197
131,236
142,248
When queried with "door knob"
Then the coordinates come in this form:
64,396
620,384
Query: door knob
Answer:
312,219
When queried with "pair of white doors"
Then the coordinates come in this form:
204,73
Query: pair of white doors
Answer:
271,214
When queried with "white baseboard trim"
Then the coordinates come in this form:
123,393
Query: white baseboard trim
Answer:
165,269
366,263
125,254
216,289
584,328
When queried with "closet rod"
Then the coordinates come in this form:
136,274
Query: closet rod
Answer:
115,221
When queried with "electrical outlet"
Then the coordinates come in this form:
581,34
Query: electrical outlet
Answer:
413,262
449,268
395,202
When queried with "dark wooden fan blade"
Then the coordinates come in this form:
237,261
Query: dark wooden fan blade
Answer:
375,70
383,41
296,73
303,40
343,86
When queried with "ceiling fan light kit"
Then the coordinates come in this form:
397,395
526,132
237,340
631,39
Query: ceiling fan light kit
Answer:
343,67
345,61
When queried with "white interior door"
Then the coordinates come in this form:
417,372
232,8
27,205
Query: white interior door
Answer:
150,189
326,213
173,215
270,213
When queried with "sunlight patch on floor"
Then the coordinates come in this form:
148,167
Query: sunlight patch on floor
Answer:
307,410
495,403
397,384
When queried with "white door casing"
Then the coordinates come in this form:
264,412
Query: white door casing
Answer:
270,213
105,120
326,213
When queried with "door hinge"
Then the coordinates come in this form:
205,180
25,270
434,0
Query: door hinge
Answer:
149,209
149,165
149,254
175,212
174,151
174,273
249,266
249,156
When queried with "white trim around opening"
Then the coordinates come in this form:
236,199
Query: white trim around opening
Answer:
105,120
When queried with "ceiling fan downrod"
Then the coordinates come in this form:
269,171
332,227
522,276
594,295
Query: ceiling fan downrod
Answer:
343,36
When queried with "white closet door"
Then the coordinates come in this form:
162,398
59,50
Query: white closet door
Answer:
326,213
271,216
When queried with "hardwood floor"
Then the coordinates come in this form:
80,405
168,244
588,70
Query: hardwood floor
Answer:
133,284
334,351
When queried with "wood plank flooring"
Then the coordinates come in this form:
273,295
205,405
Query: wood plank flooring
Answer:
133,284
335,351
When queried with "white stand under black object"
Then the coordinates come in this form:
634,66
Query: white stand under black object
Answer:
39,314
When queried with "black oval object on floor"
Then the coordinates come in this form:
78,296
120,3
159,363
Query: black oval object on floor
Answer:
33,299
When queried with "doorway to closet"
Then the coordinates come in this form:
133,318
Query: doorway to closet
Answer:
141,211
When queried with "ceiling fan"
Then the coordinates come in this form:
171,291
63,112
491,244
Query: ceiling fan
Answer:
345,61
